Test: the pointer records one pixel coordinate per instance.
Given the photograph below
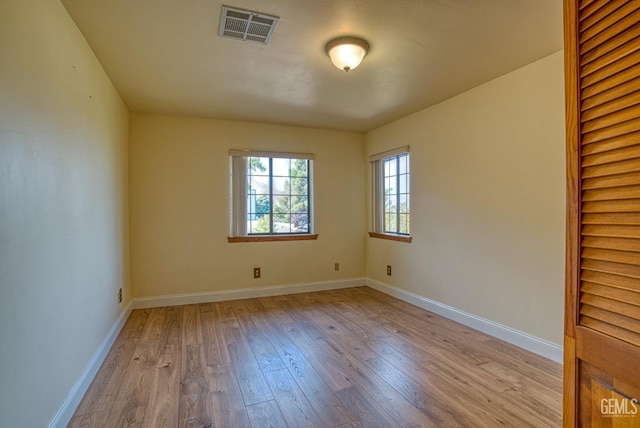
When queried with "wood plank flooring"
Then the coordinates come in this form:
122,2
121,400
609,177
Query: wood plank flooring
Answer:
344,358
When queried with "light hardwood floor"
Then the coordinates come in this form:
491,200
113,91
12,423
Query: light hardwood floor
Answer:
345,358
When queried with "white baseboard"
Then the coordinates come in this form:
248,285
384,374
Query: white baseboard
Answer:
64,414
508,334
518,338
531,343
246,293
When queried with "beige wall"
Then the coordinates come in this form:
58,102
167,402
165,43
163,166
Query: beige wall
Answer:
179,175
487,201
63,208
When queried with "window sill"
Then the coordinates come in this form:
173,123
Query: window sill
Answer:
272,238
390,237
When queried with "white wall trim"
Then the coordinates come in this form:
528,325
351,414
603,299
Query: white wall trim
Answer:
64,414
531,343
245,293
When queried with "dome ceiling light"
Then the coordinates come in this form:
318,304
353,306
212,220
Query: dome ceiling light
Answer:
347,53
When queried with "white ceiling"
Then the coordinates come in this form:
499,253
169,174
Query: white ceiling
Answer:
165,56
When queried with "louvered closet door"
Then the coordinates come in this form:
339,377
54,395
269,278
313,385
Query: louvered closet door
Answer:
602,320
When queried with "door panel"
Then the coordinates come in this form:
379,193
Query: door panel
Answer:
602,299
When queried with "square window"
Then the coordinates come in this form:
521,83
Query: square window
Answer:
271,195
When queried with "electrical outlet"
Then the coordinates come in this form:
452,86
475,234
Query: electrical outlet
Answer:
389,270
336,266
120,295
256,272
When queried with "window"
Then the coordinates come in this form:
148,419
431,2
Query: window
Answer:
391,190
271,195
396,194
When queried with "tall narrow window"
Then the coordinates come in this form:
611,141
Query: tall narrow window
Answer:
396,194
390,182
271,194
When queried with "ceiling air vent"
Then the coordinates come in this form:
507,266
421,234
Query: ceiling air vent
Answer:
246,25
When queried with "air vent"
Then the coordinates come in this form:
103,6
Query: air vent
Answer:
246,25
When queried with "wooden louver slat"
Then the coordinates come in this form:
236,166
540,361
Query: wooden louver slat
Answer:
608,181
588,7
620,244
610,156
604,85
622,308
622,26
611,256
613,119
593,265
612,69
609,93
611,231
612,281
612,194
599,62
611,330
612,218
612,293
625,140
627,323
625,206
597,15
606,17
612,131
610,44
611,107
621,167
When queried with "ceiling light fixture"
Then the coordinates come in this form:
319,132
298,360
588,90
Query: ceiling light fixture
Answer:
347,53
